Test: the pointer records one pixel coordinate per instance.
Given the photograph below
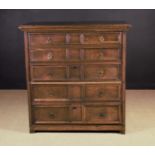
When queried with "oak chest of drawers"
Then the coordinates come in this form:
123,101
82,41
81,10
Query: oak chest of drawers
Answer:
76,76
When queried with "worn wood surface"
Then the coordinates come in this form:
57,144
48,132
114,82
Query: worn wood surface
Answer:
76,76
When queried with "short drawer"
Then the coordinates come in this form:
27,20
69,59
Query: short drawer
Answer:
38,40
51,114
107,92
48,55
102,114
102,72
102,54
56,92
56,72
100,38
57,114
46,73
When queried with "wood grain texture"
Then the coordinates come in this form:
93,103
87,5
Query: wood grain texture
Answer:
75,27
76,76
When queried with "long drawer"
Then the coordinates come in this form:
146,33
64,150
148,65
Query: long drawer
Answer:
74,54
77,114
78,72
37,40
76,92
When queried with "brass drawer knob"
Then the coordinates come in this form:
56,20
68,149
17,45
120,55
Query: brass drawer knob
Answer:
101,73
49,56
49,40
102,114
51,114
101,38
100,94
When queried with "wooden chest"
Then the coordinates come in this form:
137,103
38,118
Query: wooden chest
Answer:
76,76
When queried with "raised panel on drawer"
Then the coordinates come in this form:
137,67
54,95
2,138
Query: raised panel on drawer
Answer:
102,54
53,114
61,72
49,92
108,92
74,92
100,38
102,72
74,54
37,40
57,114
56,92
98,114
48,55
45,73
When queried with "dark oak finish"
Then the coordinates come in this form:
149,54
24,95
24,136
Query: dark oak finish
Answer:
76,76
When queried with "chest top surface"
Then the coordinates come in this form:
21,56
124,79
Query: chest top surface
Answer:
73,26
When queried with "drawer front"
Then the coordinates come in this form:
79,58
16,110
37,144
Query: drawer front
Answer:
49,92
102,114
108,92
45,73
37,40
73,54
56,73
57,114
74,72
102,72
102,54
88,92
56,92
51,114
99,38
48,55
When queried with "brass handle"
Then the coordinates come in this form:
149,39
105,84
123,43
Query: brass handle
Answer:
51,114
49,56
102,114
101,73
49,40
101,38
101,94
